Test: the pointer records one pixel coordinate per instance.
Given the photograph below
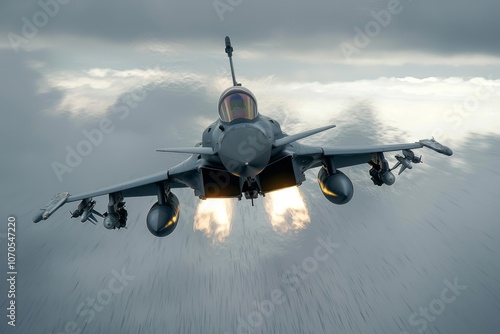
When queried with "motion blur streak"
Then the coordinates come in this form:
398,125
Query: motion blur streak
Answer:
213,217
287,210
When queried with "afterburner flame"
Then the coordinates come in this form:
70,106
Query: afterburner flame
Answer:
213,217
287,210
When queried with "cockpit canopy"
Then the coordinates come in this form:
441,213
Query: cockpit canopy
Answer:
237,103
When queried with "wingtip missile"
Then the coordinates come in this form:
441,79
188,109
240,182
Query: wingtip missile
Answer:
54,204
438,147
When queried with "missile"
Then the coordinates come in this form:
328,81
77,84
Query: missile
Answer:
404,162
434,145
51,207
87,212
75,213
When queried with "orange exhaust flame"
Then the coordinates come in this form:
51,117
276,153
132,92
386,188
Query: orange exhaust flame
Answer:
287,210
213,217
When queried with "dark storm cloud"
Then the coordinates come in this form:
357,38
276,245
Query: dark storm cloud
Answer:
437,27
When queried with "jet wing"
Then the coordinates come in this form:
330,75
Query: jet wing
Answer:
345,156
355,155
350,155
144,186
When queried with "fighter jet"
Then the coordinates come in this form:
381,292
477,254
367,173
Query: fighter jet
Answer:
243,153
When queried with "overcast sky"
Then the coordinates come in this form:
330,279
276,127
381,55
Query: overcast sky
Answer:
382,71
401,38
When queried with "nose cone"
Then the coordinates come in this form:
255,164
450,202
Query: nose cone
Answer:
245,151
38,216
447,151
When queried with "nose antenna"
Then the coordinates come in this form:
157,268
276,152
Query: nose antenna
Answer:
229,51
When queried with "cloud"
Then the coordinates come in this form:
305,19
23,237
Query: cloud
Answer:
426,103
95,90
444,27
